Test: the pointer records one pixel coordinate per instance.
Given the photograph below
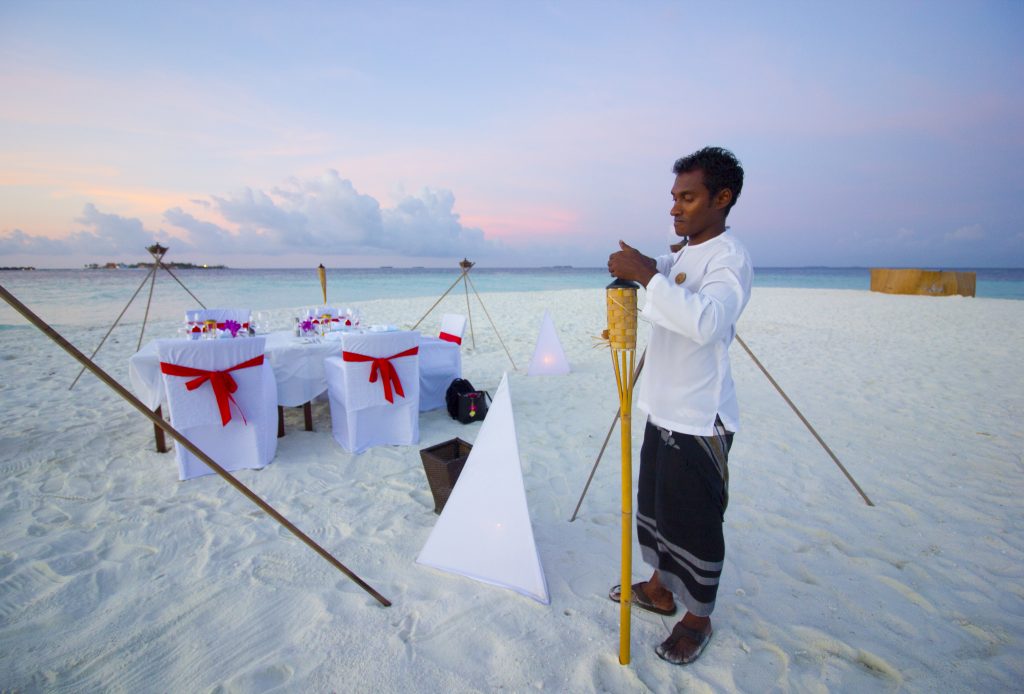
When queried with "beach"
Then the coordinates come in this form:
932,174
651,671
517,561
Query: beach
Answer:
115,576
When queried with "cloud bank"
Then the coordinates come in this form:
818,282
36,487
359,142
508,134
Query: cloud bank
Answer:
105,234
325,215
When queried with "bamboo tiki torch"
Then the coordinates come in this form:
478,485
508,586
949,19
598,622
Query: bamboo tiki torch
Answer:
621,299
323,281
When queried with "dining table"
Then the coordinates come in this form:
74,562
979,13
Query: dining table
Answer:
296,360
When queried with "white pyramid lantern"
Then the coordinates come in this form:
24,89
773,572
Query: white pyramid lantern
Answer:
484,531
548,357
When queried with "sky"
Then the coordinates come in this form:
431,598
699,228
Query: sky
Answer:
269,134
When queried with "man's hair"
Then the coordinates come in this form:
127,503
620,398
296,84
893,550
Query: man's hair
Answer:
721,170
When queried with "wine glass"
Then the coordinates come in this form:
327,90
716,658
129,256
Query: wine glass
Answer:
352,316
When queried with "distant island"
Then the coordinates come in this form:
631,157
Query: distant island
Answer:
129,266
18,268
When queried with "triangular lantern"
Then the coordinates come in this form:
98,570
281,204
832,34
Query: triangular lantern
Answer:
484,531
548,357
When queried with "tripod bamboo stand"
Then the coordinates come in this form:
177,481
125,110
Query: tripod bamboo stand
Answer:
157,251
467,283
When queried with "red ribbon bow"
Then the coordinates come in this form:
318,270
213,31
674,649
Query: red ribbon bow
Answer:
221,381
383,365
450,338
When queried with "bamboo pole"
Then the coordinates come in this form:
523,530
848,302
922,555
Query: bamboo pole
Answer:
446,292
182,284
491,321
149,300
804,420
620,299
47,330
626,441
469,313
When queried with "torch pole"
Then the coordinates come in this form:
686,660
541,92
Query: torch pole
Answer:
621,303
626,438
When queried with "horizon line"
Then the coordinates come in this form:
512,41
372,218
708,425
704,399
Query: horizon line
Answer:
477,266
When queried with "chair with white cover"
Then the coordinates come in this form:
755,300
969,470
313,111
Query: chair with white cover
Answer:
374,390
440,364
222,396
453,327
441,361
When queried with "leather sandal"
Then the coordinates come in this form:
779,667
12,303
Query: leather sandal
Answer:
667,650
639,598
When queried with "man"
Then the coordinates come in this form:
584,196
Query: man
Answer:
694,298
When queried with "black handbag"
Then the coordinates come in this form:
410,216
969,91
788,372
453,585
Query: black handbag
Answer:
451,396
473,406
465,403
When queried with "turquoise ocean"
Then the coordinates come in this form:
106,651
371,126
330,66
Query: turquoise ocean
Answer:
96,297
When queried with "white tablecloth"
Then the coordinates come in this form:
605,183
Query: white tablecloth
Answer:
298,366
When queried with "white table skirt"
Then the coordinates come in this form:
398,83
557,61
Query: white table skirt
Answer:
297,363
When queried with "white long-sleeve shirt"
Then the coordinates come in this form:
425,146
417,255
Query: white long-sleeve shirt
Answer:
687,381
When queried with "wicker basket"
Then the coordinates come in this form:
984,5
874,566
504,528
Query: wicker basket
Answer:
443,463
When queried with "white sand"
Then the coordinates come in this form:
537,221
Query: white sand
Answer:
114,576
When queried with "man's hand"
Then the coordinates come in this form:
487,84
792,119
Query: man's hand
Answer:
631,264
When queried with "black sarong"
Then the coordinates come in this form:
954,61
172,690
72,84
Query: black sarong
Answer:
682,493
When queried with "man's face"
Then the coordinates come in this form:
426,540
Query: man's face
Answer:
696,215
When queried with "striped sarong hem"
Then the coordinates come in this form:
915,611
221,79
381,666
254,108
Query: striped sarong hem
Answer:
682,493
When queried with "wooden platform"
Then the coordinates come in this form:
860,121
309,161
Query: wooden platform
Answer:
916,281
